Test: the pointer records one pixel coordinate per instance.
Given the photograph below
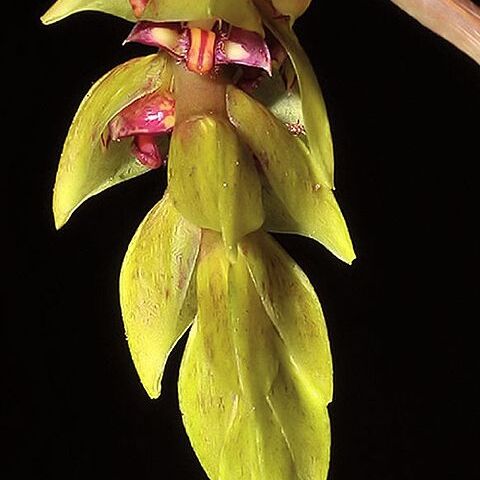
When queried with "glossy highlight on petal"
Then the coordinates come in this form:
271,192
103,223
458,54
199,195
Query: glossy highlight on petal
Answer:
146,151
151,114
244,48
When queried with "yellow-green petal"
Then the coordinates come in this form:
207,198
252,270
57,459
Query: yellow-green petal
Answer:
86,166
246,408
241,13
294,200
64,8
213,180
315,116
158,304
294,310
278,151
320,218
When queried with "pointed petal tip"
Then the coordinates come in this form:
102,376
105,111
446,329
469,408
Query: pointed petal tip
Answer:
153,391
59,218
58,225
47,18
346,254
351,259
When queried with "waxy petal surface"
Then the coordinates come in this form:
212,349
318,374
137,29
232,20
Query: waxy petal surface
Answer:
294,310
158,304
87,166
240,13
149,115
244,48
320,218
251,411
203,49
458,21
213,180
295,201
64,8
170,37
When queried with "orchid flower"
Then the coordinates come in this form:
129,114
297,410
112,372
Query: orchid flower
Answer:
144,119
203,49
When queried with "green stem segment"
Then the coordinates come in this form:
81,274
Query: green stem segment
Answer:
198,94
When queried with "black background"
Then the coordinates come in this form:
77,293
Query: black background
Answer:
404,107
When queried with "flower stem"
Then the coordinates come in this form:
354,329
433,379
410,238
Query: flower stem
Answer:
198,94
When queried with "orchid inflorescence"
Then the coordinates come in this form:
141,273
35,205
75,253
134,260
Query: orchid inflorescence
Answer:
229,102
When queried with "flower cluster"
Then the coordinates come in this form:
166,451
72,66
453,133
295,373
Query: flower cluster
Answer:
228,101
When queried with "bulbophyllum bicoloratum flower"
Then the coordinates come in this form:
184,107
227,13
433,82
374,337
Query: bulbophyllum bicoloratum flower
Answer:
144,120
119,132
202,44
204,48
247,155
